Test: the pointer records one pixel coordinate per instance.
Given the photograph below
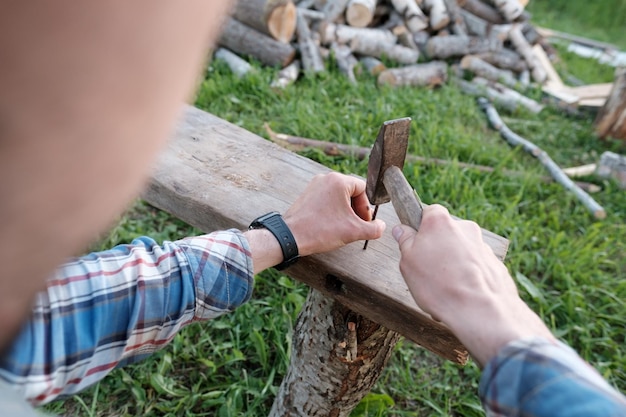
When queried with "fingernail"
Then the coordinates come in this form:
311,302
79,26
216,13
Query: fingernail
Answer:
396,232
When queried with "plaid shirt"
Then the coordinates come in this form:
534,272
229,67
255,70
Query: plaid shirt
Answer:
112,308
535,377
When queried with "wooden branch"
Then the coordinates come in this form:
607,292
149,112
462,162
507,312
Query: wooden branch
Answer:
431,74
360,153
414,17
611,119
244,40
515,140
483,69
211,166
346,62
457,23
475,25
499,94
405,37
550,33
580,171
287,75
309,51
333,9
360,12
524,49
276,18
443,47
397,53
237,65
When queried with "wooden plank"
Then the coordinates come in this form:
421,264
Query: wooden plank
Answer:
553,80
601,90
215,175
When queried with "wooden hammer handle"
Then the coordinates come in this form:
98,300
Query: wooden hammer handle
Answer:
403,197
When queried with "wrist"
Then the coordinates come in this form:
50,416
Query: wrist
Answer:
274,223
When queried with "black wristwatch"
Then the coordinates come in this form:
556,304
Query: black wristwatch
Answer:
274,223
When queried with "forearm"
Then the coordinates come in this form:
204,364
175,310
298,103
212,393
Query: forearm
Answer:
111,308
538,377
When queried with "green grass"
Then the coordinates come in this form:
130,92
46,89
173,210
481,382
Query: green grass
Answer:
570,268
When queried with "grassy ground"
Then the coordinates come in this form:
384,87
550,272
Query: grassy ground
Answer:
570,268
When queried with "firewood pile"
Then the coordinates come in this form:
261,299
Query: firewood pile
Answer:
492,41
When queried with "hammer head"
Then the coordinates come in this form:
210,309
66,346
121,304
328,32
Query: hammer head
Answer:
388,150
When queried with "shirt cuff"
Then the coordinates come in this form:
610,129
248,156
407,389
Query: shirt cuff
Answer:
222,270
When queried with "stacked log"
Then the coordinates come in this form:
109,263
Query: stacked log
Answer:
489,40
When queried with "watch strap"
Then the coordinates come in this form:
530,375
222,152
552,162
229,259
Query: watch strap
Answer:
274,222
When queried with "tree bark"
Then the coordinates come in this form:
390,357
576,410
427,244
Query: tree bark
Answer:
276,18
611,119
336,358
457,23
443,47
360,12
430,74
613,166
244,40
505,59
372,65
499,94
483,69
346,62
510,9
309,51
557,173
331,32
482,10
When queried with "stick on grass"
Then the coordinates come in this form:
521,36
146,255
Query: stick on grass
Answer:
555,171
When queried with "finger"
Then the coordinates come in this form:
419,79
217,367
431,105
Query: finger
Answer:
361,207
402,233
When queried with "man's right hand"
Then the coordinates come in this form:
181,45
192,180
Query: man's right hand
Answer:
454,276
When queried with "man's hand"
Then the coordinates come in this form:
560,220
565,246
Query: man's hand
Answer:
454,276
331,212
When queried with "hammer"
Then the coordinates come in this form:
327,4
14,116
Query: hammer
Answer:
385,180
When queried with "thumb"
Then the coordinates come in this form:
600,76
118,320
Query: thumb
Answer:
374,229
401,233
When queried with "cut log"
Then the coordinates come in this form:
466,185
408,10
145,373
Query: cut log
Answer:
276,18
336,358
499,94
457,24
346,62
414,17
530,33
559,176
475,25
372,65
210,166
287,75
443,47
611,119
360,12
405,37
510,9
331,32
483,69
237,65
482,10
397,53
312,61
505,59
613,166
525,50
430,74
244,40
360,153
437,13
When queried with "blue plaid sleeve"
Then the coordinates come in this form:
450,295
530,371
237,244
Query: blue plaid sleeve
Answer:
536,377
110,308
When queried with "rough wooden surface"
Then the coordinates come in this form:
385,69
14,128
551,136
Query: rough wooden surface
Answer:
212,171
611,119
